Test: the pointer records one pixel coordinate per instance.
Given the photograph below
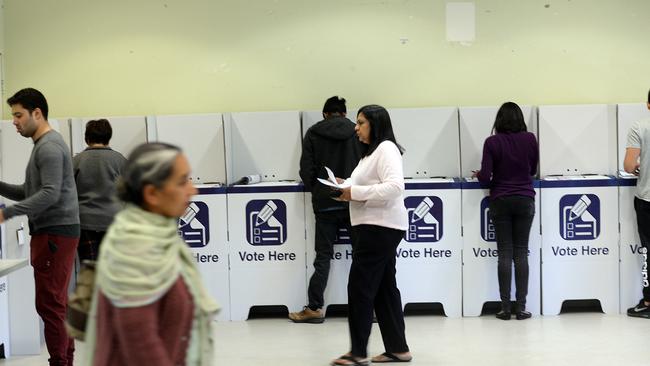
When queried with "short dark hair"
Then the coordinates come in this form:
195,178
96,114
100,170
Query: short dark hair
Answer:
381,128
98,131
335,105
509,119
149,163
30,99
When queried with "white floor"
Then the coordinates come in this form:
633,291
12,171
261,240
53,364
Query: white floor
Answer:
575,339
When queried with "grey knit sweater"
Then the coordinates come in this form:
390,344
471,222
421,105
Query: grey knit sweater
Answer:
49,195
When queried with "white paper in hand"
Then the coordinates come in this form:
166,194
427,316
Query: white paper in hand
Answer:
331,180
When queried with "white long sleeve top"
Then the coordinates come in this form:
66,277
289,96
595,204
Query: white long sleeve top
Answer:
378,188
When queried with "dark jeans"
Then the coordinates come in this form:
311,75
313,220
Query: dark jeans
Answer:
512,217
89,244
52,257
642,209
327,226
371,285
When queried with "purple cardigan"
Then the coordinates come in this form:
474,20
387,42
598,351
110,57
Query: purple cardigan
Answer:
509,164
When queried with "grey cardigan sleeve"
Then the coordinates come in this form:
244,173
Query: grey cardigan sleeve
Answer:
14,192
49,161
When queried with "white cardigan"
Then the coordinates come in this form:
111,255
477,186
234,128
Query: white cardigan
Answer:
377,189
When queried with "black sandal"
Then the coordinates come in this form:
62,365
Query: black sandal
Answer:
352,361
392,358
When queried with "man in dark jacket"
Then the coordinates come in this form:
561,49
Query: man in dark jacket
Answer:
330,143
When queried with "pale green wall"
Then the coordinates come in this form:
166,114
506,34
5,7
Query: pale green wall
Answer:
119,57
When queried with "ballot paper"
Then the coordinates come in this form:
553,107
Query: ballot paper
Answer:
331,180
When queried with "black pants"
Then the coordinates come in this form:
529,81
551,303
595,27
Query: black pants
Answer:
642,209
512,217
89,241
371,285
327,226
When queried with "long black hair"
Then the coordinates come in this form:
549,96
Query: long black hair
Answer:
381,129
509,119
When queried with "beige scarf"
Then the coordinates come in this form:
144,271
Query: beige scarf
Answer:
140,258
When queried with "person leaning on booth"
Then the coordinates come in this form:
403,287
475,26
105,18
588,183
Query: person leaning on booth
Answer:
150,306
96,170
379,220
637,161
509,163
329,143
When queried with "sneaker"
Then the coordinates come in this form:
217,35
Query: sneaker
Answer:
522,315
308,315
503,315
640,311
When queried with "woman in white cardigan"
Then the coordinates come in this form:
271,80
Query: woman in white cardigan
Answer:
378,219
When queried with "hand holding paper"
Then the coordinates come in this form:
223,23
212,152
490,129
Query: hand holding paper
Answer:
332,181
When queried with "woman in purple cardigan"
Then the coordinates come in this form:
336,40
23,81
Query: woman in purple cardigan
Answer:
510,158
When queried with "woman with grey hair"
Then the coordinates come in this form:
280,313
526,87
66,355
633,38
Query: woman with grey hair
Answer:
150,306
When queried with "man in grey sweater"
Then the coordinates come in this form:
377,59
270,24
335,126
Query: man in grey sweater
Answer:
49,199
95,170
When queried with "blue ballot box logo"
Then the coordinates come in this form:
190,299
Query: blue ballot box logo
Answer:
266,222
342,237
194,225
579,217
487,227
424,218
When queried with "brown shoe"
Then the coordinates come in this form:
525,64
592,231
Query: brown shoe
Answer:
308,315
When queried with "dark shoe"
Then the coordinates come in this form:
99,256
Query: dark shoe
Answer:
522,315
308,315
503,315
640,311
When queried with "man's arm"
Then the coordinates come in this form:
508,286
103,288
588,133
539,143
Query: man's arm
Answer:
307,165
49,159
633,149
631,161
15,192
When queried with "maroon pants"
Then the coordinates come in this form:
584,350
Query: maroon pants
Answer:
52,257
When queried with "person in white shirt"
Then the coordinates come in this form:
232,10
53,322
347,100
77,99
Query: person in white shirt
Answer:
637,161
379,220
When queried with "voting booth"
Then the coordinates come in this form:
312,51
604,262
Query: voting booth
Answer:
24,325
428,264
266,221
204,224
480,255
631,252
580,249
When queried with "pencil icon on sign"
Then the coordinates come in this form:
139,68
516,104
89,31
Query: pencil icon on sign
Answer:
579,207
265,213
423,208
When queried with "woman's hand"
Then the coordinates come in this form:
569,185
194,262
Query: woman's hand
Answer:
346,194
475,173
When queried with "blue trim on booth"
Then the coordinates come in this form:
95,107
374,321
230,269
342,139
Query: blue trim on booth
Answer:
478,185
627,182
606,182
474,185
212,190
456,184
267,189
